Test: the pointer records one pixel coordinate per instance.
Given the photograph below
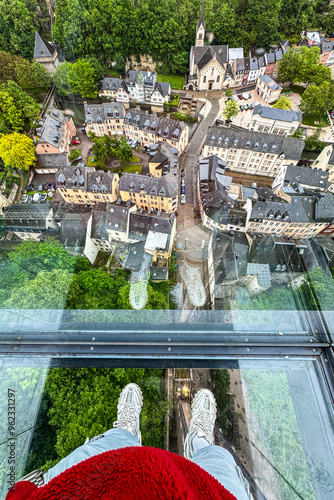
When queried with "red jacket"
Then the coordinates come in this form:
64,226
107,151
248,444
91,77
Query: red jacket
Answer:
128,474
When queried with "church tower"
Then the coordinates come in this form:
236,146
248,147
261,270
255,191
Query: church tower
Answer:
200,29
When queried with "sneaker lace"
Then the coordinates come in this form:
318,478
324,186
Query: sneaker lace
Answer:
127,416
202,422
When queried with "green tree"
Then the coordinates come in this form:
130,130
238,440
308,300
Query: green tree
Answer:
228,92
106,146
313,141
17,151
301,64
18,111
25,73
16,28
283,103
231,109
74,154
61,80
47,291
156,299
81,78
317,99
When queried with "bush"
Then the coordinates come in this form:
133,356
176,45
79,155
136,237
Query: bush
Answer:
74,154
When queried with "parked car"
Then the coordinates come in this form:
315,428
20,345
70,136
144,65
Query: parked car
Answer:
234,97
246,96
332,113
30,187
183,190
241,107
50,194
183,182
30,198
83,130
135,143
25,198
40,187
240,96
145,148
36,197
254,104
44,197
76,141
183,199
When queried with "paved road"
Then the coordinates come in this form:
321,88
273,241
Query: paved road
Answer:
192,239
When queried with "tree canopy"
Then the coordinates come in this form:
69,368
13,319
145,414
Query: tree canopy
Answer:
17,150
107,146
301,65
318,98
76,78
25,73
18,110
17,33
283,103
231,109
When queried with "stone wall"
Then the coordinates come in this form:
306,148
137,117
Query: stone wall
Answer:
146,63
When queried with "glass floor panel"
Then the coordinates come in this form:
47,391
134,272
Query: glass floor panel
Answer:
274,416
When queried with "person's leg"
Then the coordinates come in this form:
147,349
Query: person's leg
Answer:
221,465
199,447
127,433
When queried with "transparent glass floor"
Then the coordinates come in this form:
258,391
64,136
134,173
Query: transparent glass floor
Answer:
274,415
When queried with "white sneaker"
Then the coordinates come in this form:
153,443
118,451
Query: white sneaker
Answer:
203,417
129,407
192,279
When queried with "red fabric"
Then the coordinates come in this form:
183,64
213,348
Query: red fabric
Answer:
131,474
21,490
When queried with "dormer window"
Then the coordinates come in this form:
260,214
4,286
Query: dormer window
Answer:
166,131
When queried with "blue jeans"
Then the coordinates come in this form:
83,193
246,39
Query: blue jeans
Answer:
215,460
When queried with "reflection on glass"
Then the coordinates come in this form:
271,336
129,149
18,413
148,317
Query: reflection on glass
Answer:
274,417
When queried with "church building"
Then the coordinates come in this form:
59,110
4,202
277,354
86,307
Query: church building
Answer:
208,63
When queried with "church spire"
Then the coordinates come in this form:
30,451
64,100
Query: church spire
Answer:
200,28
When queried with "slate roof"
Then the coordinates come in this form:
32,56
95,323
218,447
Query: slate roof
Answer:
163,88
114,84
27,216
277,114
51,160
324,207
203,55
99,225
270,57
42,48
98,113
117,216
242,65
230,251
270,82
163,127
210,166
306,176
166,186
141,224
73,229
327,46
85,178
226,137
52,129
300,209
149,78
253,64
201,18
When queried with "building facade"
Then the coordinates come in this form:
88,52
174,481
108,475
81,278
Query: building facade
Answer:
104,119
275,121
159,194
252,152
84,185
268,89
46,54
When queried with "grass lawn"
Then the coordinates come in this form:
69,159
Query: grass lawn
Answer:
175,81
132,168
309,120
134,159
1,175
183,117
113,72
91,163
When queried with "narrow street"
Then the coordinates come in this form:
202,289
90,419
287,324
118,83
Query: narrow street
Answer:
192,238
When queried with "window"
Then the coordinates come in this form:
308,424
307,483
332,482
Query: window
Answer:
204,79
218,78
